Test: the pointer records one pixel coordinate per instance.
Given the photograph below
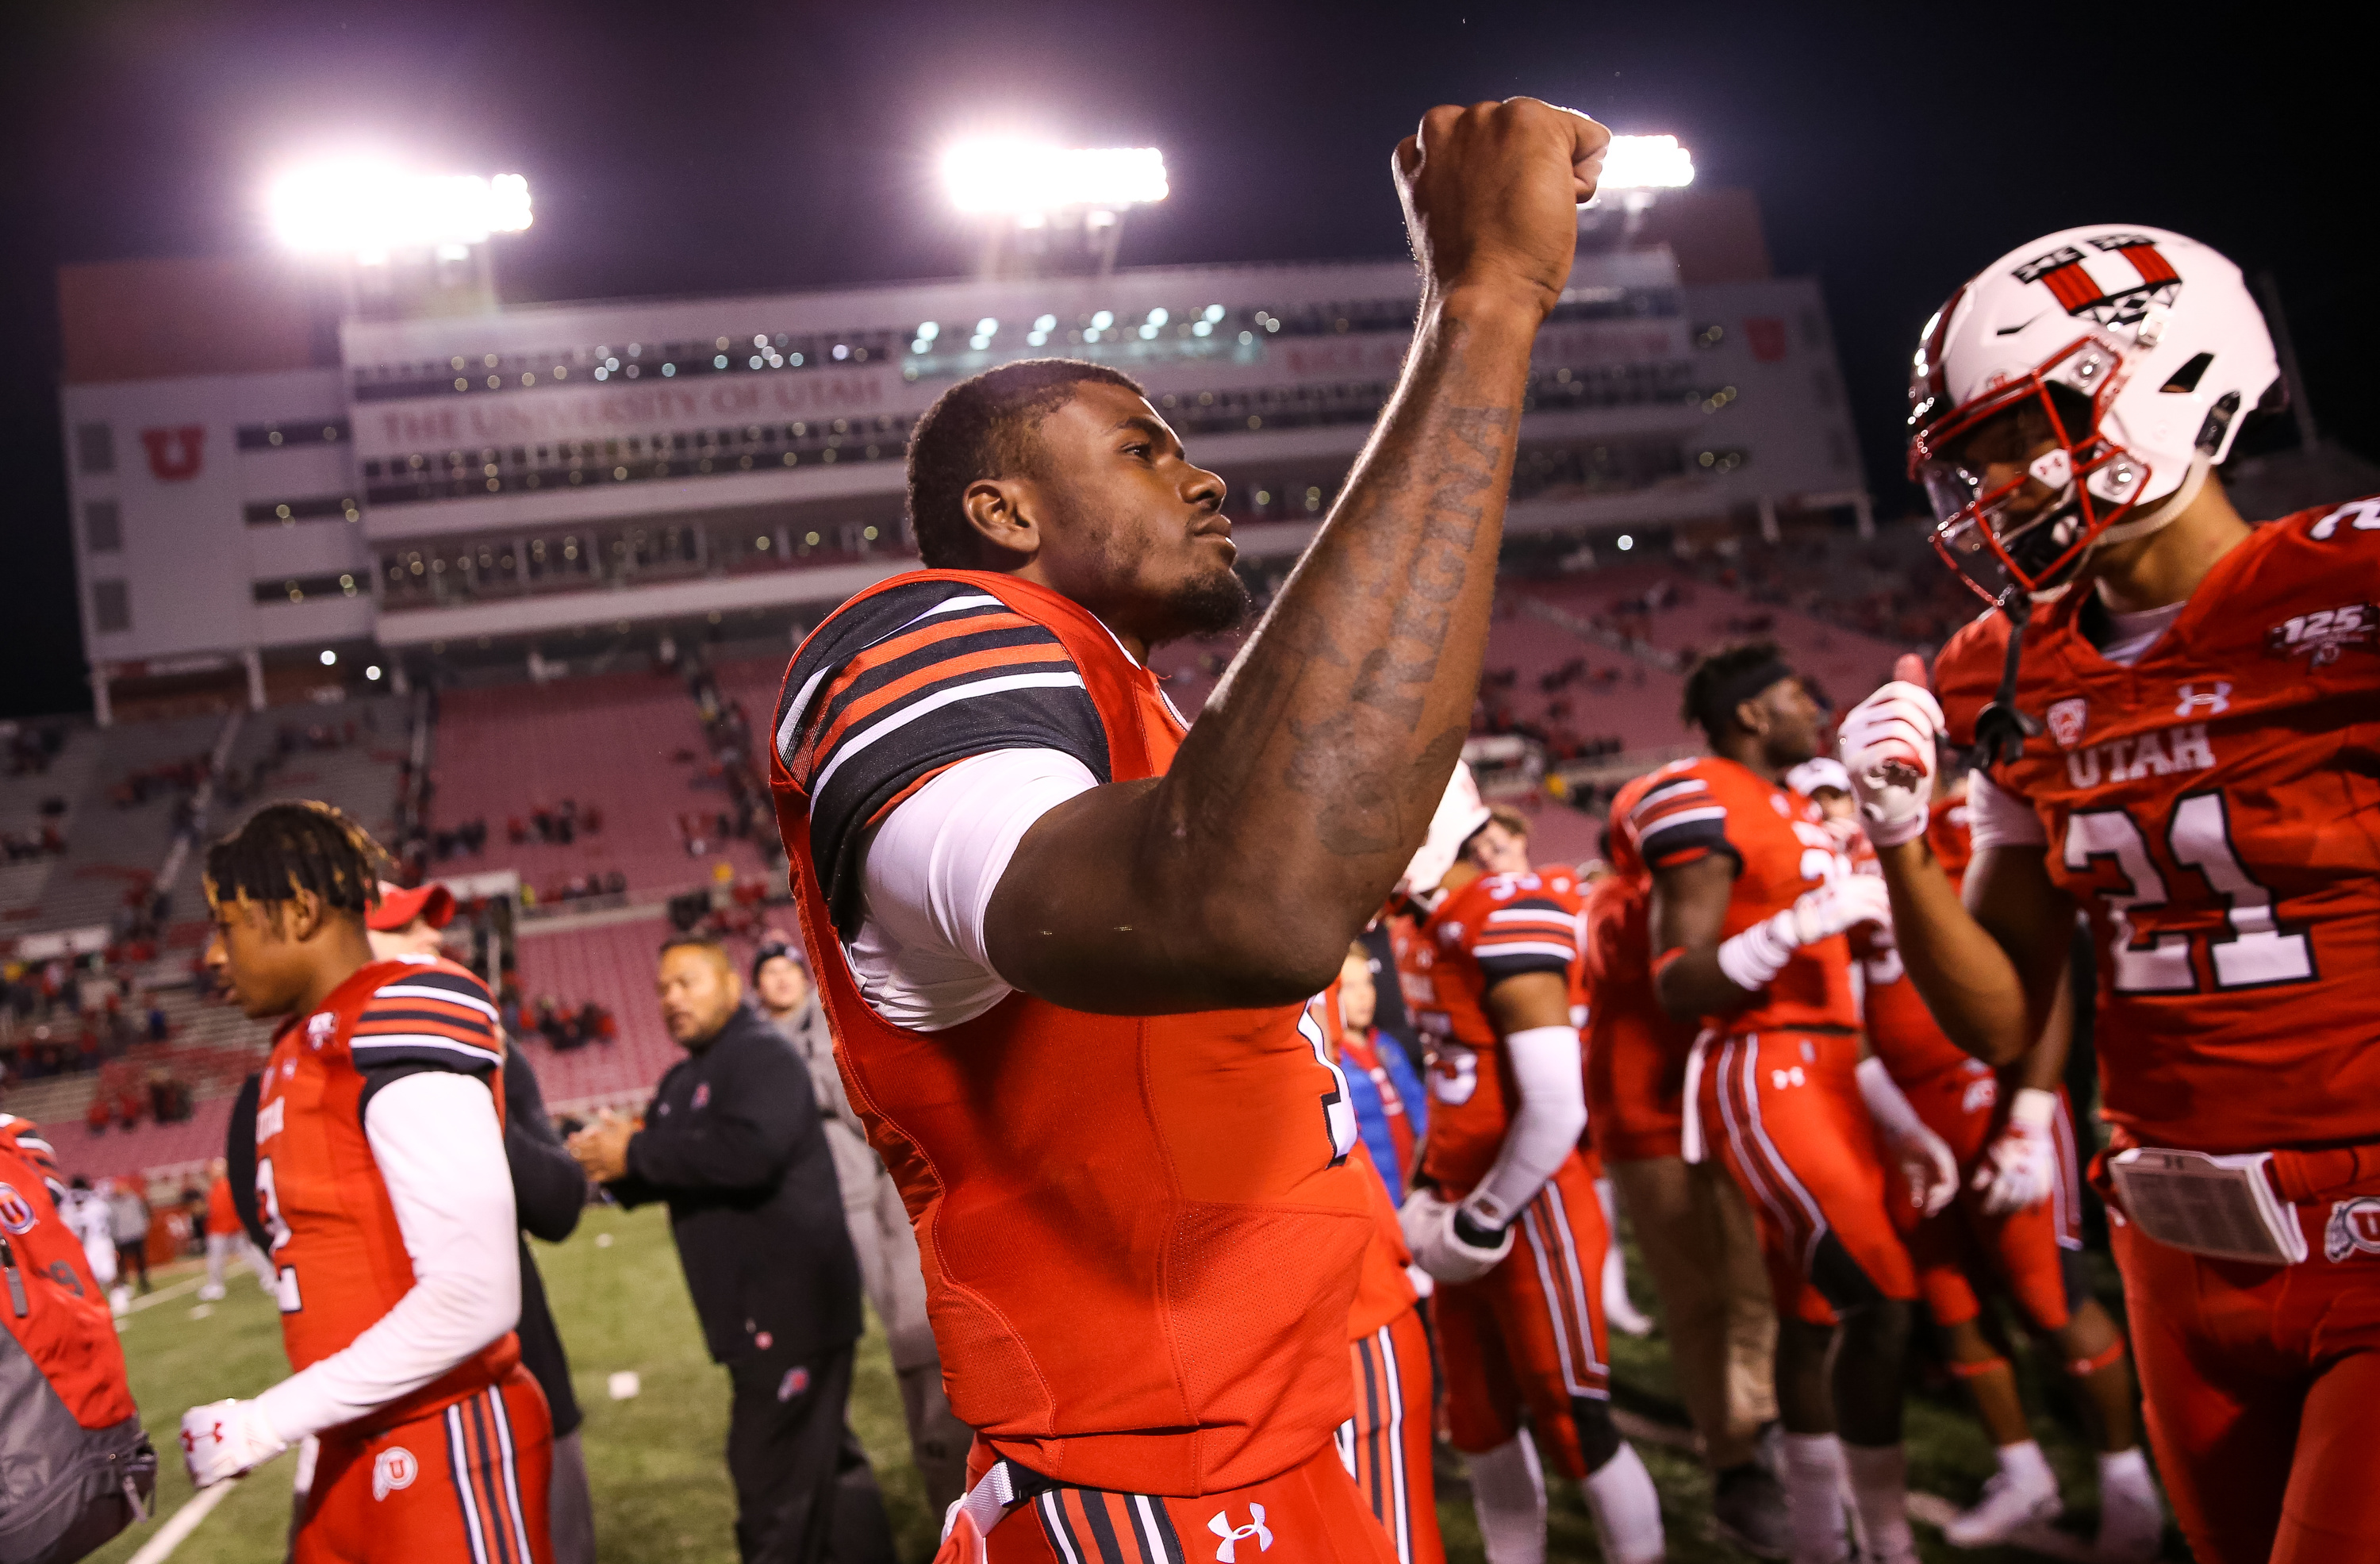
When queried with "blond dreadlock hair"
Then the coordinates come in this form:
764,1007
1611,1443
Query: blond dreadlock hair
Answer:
285,849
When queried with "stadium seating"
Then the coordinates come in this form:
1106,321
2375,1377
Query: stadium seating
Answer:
358,775
213,1048
66,776
630,745
114,849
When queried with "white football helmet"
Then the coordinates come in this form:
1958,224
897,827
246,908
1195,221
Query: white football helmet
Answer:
2133,350
1460,812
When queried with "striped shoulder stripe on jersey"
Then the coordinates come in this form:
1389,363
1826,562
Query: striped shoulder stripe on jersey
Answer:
1532,933
429,1016
1678,822
895,687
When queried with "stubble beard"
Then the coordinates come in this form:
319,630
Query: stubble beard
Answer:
1212,605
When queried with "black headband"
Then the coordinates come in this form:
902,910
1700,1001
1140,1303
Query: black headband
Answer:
1725,694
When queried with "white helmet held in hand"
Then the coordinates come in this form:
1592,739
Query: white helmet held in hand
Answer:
2078,391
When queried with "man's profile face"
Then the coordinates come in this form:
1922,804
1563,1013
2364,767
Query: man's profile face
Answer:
254,959
1128,527
697,992
1793,723
417,938
780,984
1833,803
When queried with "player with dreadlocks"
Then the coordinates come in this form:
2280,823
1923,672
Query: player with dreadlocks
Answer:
381,1177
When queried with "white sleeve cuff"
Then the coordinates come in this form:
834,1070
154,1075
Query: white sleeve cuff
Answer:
1996,817
441,1151
930,871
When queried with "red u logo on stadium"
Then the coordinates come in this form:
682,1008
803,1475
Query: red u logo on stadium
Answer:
174,454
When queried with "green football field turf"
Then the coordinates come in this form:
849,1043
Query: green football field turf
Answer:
661,1495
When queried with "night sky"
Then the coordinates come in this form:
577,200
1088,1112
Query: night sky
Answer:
693,148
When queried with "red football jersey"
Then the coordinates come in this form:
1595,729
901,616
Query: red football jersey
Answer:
2215,808
1385,1291
1901,1030
1496,927
63,1324
1141,1234
337,1252
1690,809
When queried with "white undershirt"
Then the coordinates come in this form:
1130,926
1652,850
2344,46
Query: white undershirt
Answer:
2131,635
931,870
441,1151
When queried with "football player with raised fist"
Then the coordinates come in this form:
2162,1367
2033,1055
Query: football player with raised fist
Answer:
1065,943
2177,718
381,1178
1752,899
1504,1213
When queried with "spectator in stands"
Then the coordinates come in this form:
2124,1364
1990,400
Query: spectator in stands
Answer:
880,1233
226,1238
732,1142
127,1220
549,1191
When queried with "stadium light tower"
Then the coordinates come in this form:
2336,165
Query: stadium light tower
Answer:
402,239
1049,208
1636,171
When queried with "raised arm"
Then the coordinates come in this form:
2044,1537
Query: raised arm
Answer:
1989,965
1238,878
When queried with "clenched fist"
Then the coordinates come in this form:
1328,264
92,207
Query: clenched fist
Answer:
1491,196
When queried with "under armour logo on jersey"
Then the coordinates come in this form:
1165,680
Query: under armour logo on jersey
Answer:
2192,699
1780,1079
1979,1096
392,1469
2354,1225
1221,1524
319,1028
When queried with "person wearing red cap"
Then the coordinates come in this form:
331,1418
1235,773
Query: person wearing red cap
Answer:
410,922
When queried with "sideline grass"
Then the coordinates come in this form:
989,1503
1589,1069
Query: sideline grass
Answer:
656,1462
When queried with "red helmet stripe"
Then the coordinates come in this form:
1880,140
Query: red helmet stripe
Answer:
2071,285
2154,268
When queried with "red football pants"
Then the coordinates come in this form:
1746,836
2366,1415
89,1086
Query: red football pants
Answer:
1386,1446
2259,1384
2022,1251
465,1485
1310,1513
1529,1334
1783,1111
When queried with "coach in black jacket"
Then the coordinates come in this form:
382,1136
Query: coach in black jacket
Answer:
732,1142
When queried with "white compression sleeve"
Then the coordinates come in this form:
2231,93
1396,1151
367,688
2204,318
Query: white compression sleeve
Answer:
931,868
1546,1131
441,1151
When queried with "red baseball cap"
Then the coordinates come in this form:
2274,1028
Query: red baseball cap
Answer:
399,907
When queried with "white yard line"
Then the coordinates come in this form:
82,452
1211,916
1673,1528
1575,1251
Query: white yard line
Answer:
181,1523
163,1295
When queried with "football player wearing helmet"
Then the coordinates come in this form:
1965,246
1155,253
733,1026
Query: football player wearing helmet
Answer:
2175,714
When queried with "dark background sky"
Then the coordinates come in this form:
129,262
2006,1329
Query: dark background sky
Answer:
691,148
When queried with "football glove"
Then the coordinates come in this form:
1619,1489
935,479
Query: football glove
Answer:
1447,1243
1924,1157
2020,1169
222,1439
1887,742
1751,960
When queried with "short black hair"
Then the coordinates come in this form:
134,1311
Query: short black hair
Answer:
1715,685
285,849
983,427
716,950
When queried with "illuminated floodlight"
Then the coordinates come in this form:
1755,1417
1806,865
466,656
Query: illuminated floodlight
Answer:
1021,179
1647,163
370,209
